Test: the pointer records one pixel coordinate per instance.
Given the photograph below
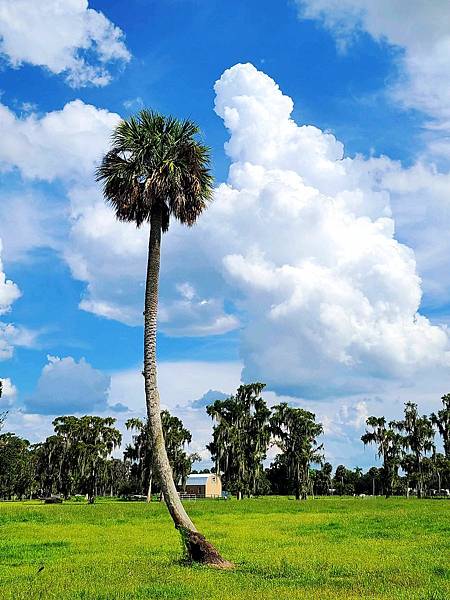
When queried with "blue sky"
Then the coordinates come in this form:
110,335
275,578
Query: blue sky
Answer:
315,279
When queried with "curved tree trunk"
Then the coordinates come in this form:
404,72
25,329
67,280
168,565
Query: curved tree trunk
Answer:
197,547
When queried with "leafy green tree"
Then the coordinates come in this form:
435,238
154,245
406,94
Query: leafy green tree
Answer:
88,442
113,478
418,438
323,479
139,452
157,169
241,437
344,481
440,471
277,475
176,437
54,466
15,472
442,421
376,478
389,446
295,432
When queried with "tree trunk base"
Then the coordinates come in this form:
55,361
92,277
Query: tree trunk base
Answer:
200,551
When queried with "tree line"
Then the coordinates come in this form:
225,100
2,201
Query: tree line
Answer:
77,459
409,444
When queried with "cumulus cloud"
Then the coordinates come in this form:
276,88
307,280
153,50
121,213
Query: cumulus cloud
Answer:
180,384
300,241
318,267
11,335
63,144
66,38
28,221
420,197
110,257
68,386
9,292
9,393
421,33
14,336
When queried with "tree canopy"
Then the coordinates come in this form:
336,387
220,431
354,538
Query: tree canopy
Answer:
156,163
295,432
241,437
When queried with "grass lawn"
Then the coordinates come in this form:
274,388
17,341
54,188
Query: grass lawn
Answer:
325,548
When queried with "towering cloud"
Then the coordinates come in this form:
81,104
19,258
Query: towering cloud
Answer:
298,247
313,254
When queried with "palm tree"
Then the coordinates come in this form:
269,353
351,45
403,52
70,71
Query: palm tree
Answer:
388,444
418,437
176,436
156,168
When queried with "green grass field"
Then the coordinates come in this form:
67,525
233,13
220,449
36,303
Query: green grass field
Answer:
325,548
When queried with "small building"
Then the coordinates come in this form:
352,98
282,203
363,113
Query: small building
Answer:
204,485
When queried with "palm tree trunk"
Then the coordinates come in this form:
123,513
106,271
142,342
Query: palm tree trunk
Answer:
197,547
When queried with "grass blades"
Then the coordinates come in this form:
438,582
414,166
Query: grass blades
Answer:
327,548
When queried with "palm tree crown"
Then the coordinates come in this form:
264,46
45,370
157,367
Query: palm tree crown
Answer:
156,163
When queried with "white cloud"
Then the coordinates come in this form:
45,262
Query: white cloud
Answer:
28,221
314,255
69,386
9,393
15,336
11,335
64,37
300,240
183,383
33,427
180,384
65,145
194,316
9,292
110,257
420,195
421,32
62,144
